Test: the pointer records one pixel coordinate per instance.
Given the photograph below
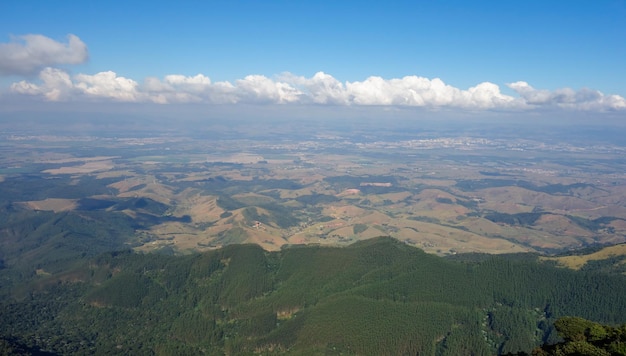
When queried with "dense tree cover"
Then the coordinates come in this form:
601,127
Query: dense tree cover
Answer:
33,239
612,265
584,337
278,215
593,224
469,185
33,187
359,228
523,219
315,199
224,187
529,219
378,296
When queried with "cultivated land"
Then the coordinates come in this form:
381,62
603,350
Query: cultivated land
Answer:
444,191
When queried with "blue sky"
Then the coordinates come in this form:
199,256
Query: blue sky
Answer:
532,55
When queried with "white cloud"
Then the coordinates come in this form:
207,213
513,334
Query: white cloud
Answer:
56,85
487,95
33,53
177,88
408,91
583,99
28,54
420,91
197,82
258,88
108,85
615,102
321,89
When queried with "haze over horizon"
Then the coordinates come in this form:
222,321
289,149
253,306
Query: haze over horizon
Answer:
285,57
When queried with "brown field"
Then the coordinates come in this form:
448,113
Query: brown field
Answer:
517,200
68,159
51,204
127,184
88,167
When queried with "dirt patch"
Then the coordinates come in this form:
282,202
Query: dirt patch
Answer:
53,204
127,184
74,159
89,167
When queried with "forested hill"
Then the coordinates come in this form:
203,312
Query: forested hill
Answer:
375,297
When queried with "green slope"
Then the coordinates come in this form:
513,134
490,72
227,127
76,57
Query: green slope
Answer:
374,297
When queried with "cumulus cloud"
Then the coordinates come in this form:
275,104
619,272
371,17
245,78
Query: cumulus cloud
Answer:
258,88
177,88
420,91
57,85
320,89
583,99
107,85
28,54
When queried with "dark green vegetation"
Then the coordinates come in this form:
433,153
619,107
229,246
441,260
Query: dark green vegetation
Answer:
611,265
524,219
32,239
377,296
583,337
469,185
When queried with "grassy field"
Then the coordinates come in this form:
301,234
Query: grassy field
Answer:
578,261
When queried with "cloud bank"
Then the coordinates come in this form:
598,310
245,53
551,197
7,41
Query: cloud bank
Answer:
322,89
31,54
28,54
584,99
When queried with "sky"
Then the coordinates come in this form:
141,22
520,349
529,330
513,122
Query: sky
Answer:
456,56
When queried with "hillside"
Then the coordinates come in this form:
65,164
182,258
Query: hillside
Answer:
610,259
378,296
446,196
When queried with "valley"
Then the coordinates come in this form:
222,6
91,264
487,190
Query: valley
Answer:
231,241
460,192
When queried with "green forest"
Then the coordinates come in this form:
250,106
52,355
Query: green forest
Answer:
584,337
374,297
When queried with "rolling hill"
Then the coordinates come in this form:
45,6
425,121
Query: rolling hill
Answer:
377,296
